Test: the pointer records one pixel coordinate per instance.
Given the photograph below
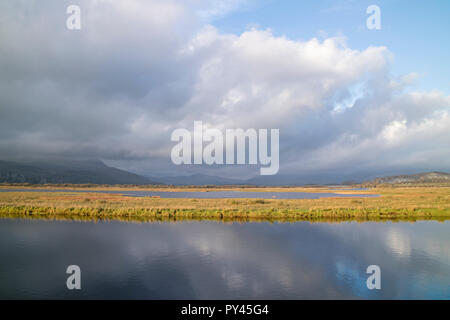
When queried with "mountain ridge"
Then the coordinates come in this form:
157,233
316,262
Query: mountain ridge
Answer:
75,172
97,172
423,177
200,180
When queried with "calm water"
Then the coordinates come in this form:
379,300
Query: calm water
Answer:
209,194
212,260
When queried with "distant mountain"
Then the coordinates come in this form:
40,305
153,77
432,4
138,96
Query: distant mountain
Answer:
292,180
302,180
96,172
77,172
199,180
427,177
277,180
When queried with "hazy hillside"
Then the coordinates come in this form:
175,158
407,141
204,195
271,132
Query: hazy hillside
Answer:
96,172
67,172
200,179
427,177
295,180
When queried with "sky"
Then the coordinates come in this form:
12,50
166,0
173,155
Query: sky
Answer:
349,102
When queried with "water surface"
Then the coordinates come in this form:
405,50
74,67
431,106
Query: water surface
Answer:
206,194
213,260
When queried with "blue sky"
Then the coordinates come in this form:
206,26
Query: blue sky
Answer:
415,32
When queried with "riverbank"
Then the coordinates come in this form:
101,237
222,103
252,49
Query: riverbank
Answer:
394,203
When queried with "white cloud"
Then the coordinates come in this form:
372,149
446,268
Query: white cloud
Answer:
138,69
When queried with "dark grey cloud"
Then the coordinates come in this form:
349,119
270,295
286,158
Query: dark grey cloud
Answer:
137,70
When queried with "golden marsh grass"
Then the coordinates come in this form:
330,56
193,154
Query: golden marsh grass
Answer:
398,203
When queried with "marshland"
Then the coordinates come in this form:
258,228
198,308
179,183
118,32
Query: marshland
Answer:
338,203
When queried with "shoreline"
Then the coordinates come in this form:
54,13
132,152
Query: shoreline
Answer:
266,215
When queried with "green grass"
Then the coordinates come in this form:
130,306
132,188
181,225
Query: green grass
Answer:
152,214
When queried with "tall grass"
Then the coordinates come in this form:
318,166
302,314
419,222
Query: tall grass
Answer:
399,203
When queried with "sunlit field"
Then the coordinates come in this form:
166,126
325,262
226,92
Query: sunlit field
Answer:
394,203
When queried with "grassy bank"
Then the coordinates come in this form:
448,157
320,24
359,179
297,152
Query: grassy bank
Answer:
288,215
394,203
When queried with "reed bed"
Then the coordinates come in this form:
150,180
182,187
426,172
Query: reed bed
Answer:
395,203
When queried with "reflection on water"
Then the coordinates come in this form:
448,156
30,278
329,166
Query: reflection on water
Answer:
212,260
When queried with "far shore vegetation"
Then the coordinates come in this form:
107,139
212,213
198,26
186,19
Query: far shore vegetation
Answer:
396,203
